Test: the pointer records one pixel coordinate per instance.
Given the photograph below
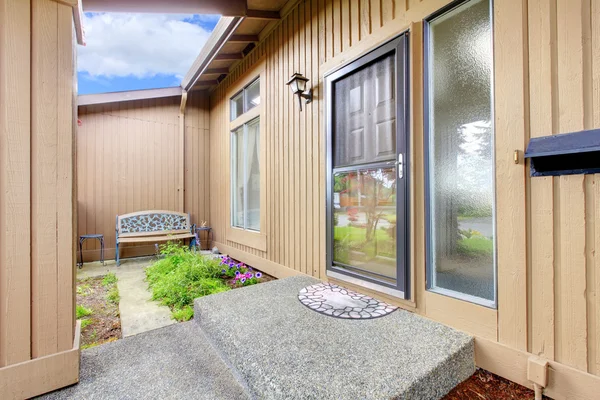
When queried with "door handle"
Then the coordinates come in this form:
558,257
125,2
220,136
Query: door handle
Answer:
400,166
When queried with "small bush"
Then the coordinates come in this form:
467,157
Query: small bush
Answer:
82,311
182,276
109,279
83,290
183,314
113,295
85,323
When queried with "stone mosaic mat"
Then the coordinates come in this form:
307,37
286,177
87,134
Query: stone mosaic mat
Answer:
337,301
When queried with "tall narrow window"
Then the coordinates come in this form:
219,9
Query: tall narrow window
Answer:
245,161
460,139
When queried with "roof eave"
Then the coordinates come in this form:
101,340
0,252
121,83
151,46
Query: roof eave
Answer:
219,36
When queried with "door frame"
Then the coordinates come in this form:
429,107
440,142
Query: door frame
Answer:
400,46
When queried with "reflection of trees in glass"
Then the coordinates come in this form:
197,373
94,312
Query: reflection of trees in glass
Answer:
377,188
372,196
474,168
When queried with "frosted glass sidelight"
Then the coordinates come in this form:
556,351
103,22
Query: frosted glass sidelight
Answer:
461,156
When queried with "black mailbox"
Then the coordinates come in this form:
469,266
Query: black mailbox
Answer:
565,154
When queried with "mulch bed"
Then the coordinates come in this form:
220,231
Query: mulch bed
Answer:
486,386
105,323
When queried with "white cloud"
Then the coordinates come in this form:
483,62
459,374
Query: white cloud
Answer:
142,45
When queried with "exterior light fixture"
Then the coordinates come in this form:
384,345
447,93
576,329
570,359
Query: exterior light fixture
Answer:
298,85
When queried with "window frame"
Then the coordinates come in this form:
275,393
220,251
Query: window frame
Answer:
479,301
254,239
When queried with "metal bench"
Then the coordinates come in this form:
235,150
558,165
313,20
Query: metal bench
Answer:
153,226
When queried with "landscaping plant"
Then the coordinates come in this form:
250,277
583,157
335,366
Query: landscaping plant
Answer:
242,274
183,275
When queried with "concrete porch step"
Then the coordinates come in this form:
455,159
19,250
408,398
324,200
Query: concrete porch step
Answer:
281,349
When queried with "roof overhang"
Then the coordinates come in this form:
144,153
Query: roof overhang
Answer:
219,36
233,39
221,7
114,97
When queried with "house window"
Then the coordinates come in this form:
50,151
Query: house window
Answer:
245,176
460,153
245,158
245,100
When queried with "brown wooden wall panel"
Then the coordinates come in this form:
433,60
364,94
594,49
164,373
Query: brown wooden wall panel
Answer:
129,160
15,179
547,81
37,205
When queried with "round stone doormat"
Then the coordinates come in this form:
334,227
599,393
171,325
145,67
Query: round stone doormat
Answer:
336,301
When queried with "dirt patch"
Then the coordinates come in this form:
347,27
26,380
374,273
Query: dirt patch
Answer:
103,324
484,385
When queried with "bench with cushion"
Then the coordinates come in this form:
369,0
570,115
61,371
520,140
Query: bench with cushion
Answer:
153,226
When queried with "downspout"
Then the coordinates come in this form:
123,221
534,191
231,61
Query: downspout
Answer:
181,151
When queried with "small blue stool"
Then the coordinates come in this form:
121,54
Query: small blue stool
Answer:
83,238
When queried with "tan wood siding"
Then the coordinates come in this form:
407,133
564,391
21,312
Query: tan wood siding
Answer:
547,81
15,181
38,350
129,160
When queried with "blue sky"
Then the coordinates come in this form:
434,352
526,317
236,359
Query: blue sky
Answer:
139,51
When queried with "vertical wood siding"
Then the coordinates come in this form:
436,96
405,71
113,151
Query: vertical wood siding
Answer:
37,204
128,160
547,81
564,51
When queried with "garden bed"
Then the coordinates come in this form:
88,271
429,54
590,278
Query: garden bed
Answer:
98,310
486,386
182,276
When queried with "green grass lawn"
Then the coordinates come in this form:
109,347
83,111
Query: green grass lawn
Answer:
353,238
476,246
357,234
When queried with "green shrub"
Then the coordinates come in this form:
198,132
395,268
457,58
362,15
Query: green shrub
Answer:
113,295
109,279
82,311
85,323
183,314
182,276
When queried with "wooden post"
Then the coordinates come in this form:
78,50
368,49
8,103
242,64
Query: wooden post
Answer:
181,152
15,194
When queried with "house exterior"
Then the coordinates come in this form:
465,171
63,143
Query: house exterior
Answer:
403,178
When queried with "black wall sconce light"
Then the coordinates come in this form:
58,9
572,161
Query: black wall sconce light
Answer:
298,85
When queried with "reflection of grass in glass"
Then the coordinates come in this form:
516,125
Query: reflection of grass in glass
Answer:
476,246
353,238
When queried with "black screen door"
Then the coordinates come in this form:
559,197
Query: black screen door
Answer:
367,185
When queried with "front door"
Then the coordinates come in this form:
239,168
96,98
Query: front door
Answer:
367,184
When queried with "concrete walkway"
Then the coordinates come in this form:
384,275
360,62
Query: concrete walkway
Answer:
261,342
175,362
138,312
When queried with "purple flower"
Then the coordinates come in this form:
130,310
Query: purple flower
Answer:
237,273
243,280
258,275
249,275
223,271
